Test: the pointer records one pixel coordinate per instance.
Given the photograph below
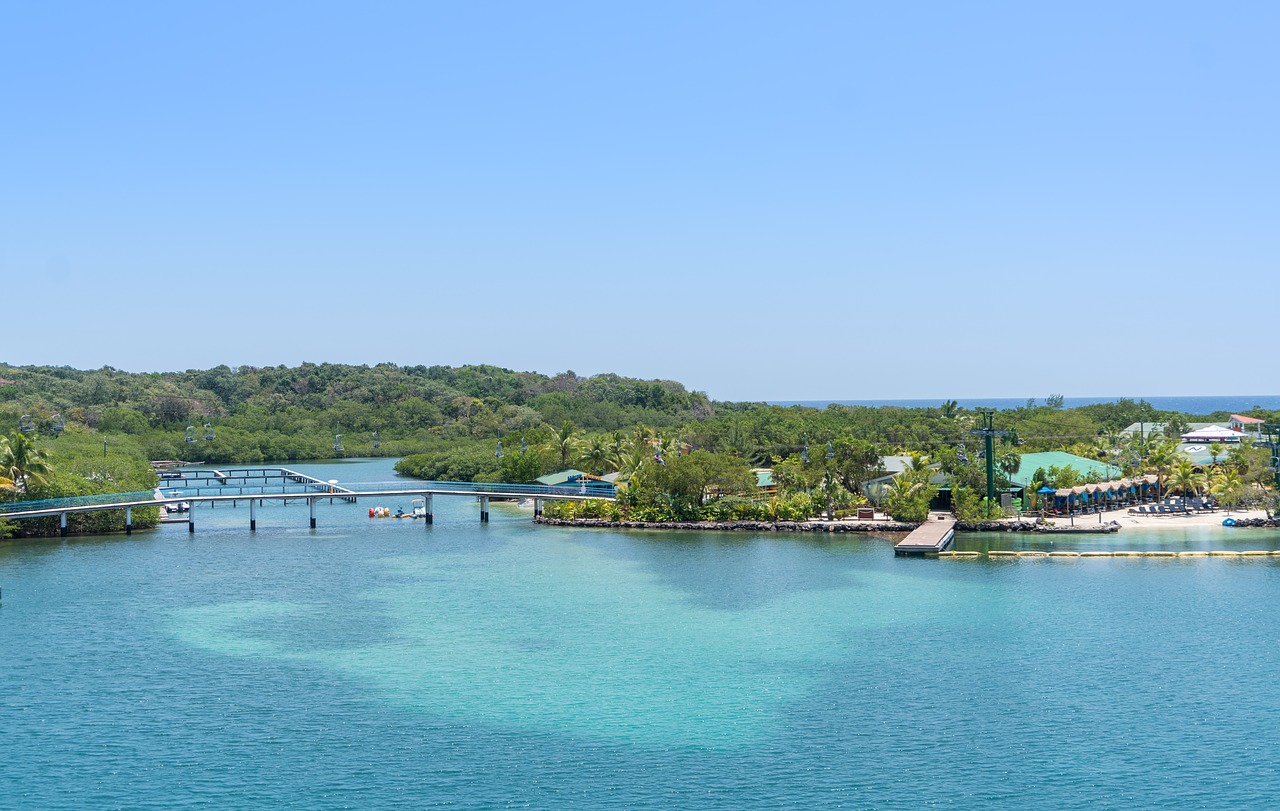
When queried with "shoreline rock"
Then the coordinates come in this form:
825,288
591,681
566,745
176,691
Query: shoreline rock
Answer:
1039,528
734,526
1256,522
825,526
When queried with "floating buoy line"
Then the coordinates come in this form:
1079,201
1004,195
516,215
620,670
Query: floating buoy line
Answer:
1120,553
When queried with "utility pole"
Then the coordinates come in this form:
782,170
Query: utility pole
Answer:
988,432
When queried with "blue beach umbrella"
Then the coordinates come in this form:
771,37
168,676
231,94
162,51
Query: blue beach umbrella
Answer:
1043,492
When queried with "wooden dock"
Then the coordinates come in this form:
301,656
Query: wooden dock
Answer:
931,536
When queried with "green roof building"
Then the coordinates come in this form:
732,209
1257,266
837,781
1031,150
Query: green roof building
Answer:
1031,462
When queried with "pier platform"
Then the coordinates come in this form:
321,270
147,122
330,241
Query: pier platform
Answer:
931,536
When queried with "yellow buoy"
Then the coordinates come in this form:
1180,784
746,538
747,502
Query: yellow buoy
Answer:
1256,552
1193,554
1160,553
1064,554
1096,554
1224,553
1126,553
1033,553
1002,553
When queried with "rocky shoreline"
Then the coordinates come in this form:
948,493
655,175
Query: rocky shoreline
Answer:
1257,522
1039,528
735,526
825,526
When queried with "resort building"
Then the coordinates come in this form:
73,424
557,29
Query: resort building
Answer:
875,489
1246,425
576,478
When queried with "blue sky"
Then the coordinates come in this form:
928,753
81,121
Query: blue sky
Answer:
763,201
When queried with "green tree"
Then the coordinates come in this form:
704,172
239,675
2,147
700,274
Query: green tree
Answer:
684,481
564,443
908,497
853,462
1184,478
1161,458
22,462
1227,486
595,455
1010,462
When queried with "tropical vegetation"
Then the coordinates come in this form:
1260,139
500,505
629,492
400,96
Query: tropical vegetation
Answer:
680,454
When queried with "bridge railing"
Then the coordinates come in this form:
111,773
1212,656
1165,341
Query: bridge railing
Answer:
407,486
486,488
77,501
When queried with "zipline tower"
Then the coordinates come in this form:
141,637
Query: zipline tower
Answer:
989,433
1273,439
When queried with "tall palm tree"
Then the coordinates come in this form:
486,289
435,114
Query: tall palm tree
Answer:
617,449
1215,450
595,455
1184,478
1161,458
1010,462
22,462
1227,486
564,443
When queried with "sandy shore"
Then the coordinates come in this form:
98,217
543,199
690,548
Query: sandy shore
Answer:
1125,519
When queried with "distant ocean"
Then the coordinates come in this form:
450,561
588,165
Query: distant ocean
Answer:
1186,405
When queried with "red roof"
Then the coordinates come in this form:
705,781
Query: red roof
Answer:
1244,419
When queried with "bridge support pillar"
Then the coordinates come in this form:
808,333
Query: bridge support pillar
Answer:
484,509
431,515
62,526
312,502
253,516
128,520
537,507
191,523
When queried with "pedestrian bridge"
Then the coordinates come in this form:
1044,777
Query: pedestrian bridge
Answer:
256,485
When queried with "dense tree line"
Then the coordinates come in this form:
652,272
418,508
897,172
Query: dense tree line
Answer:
491,424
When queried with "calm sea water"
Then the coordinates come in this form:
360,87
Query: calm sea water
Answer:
382,664
1185,405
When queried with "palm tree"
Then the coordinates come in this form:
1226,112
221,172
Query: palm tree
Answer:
1009,462
1185,478
950,408
1161,458
564,443
595,455
22,463
1215,450
631,461
1227,487
617,449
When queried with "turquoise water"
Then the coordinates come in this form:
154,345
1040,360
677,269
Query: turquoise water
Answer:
382,663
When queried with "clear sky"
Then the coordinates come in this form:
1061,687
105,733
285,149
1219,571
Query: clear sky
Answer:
764,201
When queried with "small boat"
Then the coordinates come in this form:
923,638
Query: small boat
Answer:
177,507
